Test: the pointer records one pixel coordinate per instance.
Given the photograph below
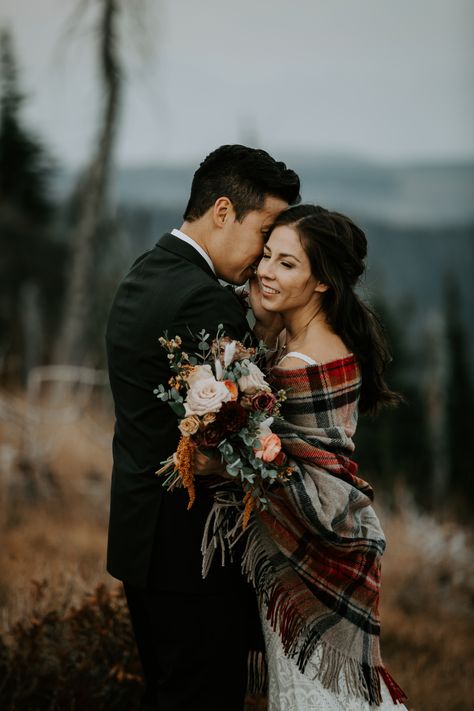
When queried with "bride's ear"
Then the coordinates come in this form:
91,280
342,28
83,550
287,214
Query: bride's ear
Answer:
320,287
222,211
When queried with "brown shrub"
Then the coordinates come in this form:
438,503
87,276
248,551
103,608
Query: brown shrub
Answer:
427,613
84,658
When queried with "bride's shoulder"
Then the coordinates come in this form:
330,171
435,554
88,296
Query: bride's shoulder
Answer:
326,348
291,363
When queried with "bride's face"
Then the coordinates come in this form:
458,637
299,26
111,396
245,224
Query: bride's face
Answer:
284,273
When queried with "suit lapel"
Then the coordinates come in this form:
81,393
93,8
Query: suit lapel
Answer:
176,246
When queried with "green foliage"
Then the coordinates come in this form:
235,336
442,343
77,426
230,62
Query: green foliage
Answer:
84,659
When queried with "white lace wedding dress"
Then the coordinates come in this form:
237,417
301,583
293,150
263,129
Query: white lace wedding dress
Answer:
290,690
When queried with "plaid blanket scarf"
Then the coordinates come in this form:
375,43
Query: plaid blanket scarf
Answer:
314,555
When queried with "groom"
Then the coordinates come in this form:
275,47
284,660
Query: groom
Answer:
193,635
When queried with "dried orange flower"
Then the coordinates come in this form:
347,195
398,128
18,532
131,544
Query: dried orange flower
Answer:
285,474
249,503
185,465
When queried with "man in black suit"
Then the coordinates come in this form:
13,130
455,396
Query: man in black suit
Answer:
192,634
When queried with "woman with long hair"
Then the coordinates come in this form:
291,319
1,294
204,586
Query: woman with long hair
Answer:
314,554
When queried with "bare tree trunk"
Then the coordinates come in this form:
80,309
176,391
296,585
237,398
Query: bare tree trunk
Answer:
91,195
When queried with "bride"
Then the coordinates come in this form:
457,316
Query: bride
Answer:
314,555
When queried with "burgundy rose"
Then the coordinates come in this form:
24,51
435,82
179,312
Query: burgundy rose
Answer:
263,402
210,437
231,417
280,459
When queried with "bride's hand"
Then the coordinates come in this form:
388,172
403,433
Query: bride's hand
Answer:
268,323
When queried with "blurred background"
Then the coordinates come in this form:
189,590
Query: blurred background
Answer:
106,109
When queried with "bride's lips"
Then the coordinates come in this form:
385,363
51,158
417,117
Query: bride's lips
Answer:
268,290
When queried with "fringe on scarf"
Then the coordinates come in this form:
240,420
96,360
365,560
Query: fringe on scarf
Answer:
257,677
300,640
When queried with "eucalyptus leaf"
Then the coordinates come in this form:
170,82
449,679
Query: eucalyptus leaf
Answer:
178,408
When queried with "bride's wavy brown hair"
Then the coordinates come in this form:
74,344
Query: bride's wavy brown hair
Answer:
336,249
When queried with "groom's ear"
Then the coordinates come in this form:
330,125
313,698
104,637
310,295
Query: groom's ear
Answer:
222,212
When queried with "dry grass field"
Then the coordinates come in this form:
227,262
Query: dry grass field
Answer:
59,630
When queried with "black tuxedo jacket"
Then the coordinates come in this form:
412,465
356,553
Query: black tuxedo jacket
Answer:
153,539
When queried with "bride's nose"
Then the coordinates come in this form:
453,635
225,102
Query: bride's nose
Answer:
264,269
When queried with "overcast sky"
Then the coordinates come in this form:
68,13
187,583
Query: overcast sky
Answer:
385,79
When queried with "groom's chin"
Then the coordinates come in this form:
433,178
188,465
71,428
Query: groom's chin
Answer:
240,281
237,279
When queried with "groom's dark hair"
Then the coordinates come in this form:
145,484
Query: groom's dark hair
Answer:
246,176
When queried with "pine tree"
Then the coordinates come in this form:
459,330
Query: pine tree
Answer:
24,166
460,399
394,447
30,269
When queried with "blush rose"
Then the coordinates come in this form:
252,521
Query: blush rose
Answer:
270,447
255,380
205,394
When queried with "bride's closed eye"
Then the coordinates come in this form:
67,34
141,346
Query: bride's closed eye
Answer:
283,264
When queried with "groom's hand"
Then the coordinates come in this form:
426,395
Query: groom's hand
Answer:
208,466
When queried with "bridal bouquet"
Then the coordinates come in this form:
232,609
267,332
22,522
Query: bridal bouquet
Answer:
224,405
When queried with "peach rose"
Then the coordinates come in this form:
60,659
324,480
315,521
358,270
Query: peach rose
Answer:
208,418
270,447
189,425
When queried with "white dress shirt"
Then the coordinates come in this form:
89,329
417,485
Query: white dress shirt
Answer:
197,247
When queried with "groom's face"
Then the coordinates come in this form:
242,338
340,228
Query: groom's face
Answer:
240,245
